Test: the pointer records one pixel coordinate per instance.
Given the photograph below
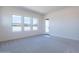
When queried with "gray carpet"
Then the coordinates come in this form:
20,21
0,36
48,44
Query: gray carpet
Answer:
40,44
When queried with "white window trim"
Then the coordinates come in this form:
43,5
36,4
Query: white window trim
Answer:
12,24
23,25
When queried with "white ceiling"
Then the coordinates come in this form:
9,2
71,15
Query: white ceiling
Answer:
44,9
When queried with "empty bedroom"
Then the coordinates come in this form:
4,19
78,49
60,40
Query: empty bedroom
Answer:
39,29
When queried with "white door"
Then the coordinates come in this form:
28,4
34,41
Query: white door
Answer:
47,26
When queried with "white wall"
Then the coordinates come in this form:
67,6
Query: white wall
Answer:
5,23
65,23
0,25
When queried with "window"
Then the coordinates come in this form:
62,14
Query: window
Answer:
27,23
20,23
16,19
35,24
27,20
35,28
16,28
27,28
16,23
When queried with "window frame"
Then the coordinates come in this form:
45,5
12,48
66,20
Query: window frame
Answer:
27,25
34,25
16,24
23,24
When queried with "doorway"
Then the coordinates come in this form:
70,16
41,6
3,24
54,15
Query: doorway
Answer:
47,26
